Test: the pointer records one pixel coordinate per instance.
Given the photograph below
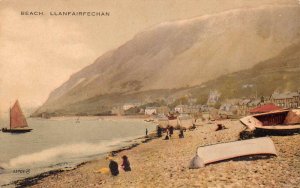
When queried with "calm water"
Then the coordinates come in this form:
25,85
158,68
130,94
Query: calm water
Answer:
63,143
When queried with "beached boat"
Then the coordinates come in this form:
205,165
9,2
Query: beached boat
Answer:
233,150
275,122
18,123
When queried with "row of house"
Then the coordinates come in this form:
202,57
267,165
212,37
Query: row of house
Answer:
286,100
242,107
157,110
127,106
181,109
239,107
190,109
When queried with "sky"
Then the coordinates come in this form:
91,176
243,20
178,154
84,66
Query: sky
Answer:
39,53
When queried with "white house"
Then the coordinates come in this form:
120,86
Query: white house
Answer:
213,97
150,111
181,109
128,106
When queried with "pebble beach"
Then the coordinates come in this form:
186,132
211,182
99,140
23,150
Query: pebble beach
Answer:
164,163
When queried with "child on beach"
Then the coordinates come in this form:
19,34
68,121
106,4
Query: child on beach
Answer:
126,165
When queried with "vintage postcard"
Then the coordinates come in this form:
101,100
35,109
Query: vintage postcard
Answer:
149,93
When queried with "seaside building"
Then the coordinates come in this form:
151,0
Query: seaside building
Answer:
127,106
157,110
228,110
243,107
255,103
188,109
150,111
181,109
142,111
240,107
246,104
193,109
204,108
213,97
286,100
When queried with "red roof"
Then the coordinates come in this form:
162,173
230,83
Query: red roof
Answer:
265,108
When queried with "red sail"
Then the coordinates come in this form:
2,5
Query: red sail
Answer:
17,118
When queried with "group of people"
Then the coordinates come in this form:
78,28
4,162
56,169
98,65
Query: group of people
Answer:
114,167
169,130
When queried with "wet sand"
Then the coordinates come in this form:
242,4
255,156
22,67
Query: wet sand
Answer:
164,163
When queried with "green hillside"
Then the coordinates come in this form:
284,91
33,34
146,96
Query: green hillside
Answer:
279,73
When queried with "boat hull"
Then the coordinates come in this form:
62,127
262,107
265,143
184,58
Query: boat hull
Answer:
25,130
277,130
281,122
237,149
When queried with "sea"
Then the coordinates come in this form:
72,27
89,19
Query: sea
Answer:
63,143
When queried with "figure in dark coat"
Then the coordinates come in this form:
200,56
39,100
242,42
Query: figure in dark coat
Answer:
181,134
126,164
113,166
159,131
171,129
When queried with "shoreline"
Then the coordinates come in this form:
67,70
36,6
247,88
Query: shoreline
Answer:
127,117
33,180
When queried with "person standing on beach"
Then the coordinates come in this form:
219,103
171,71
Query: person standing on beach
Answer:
126,164
181,134
146,132
167,136
113,167
171,129
159,131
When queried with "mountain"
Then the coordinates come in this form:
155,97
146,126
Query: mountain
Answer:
178,55
279,73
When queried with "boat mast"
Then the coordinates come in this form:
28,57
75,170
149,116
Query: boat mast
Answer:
9,114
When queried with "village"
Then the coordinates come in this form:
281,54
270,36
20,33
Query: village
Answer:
214,107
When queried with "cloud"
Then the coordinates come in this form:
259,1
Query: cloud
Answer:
37,54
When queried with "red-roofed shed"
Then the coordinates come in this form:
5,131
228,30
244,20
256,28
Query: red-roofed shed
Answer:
265,108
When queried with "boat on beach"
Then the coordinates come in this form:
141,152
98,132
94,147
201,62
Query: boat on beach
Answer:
281,122
17,121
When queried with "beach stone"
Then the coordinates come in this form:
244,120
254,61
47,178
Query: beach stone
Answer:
156,162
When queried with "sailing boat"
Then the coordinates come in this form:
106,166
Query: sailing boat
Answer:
18,123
